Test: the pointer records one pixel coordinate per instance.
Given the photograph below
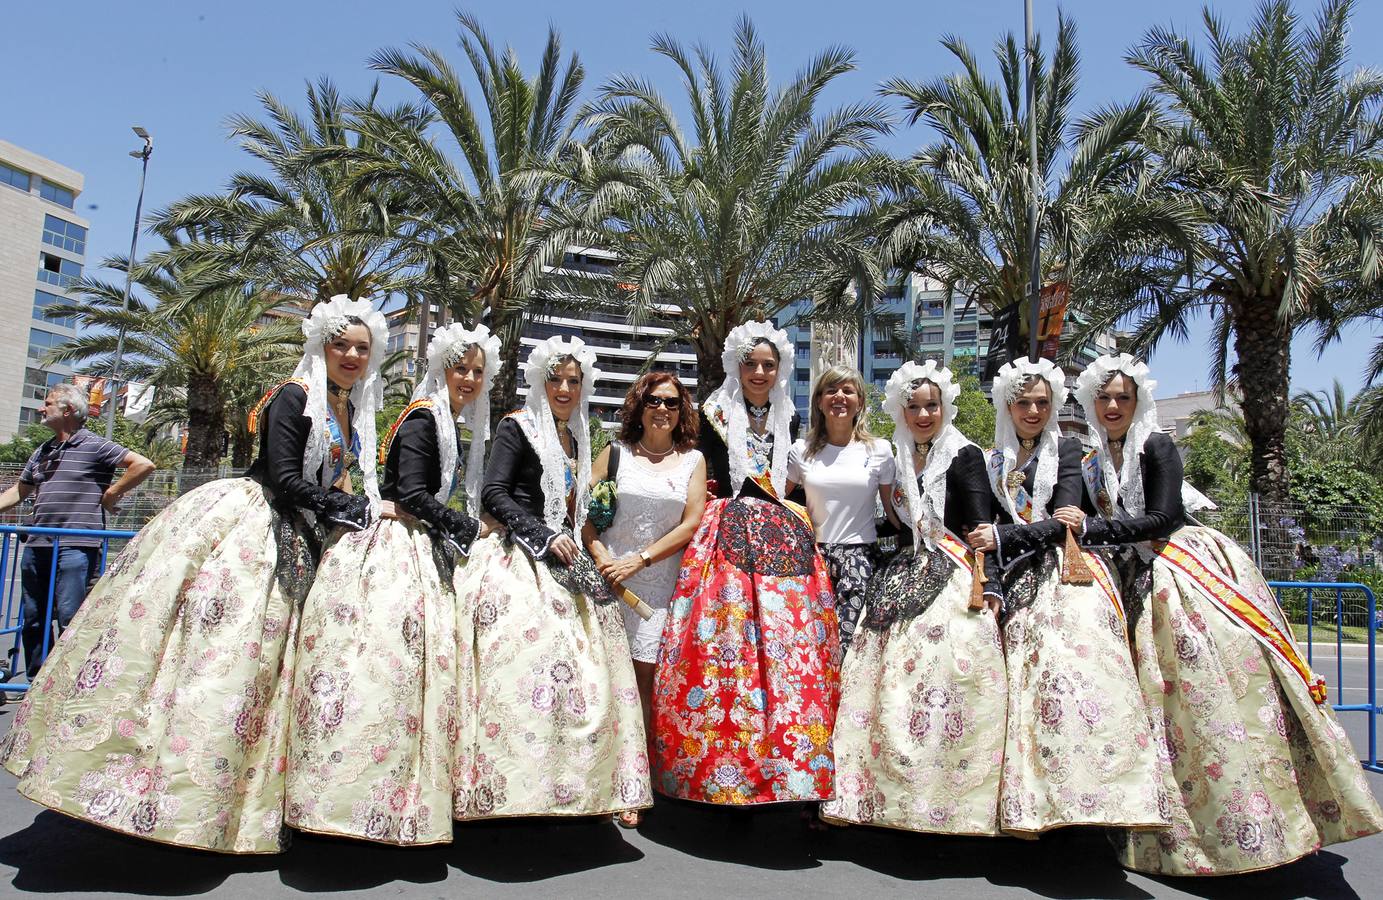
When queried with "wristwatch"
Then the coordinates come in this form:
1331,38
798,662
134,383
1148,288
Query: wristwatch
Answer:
647,560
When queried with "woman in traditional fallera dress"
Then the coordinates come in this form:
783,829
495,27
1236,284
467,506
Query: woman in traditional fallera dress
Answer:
1079,749
382,696
660,480
746,688
557,728
919,737
1257,772
163,711
844,470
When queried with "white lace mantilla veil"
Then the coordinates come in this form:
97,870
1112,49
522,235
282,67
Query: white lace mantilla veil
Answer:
445,350
1127,483
1010,381
326,321
538,426
729,399
931,510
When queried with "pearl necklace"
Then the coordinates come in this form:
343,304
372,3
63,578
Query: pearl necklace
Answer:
653,453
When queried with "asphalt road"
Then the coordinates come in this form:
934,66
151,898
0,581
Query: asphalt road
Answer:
682,851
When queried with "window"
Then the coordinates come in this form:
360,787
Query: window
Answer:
14,178
29,416
64,234
41,342
965,336
56,193
57,271
933,335
37,383
43,300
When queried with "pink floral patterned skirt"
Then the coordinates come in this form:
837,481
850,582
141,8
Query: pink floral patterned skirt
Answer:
162,712
1256,774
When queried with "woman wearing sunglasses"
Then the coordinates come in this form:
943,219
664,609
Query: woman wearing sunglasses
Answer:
660,483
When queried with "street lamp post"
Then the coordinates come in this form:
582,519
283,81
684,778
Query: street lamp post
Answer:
112,386
1035,261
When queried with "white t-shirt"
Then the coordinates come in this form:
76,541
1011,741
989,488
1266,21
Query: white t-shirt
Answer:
842,484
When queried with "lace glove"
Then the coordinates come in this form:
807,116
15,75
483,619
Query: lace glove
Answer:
351,511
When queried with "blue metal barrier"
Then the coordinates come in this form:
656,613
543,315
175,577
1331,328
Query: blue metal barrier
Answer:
12,606
1371,706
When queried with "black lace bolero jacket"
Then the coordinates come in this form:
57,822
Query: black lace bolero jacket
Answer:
1163,514
513,491
413,476
279,466
1018,541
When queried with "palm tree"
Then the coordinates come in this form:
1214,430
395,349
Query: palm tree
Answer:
1275,146
957,211
296,231
1334,426
748,214
195,348
468,220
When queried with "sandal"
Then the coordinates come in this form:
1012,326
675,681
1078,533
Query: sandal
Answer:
630,818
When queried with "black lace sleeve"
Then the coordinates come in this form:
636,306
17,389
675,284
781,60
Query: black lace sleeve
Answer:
419,458
503,471
1163,512
717,457
1018,542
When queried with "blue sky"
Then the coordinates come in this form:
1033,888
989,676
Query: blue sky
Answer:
77,75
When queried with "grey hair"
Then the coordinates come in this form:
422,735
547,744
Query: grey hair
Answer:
73,397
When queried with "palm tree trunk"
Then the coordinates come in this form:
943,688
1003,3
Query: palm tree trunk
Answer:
242,447
710,373
1263,345
505,398
206,422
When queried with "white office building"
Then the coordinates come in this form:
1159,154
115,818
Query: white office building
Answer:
42,252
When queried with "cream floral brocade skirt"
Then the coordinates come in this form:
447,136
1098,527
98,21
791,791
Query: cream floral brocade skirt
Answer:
1256,773
919,738
383,692
558,726
1079,749
162,711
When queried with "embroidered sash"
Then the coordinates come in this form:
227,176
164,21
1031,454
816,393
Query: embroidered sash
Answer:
1093,474
959,552
1104,580
1011,486
1240,607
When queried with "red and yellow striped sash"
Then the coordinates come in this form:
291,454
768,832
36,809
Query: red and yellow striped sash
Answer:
1104,580
1236,603
956,549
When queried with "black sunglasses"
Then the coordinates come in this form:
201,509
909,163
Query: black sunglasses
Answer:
673,404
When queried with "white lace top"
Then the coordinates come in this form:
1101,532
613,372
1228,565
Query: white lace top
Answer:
651,502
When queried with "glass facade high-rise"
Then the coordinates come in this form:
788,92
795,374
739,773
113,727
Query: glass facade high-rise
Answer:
42,254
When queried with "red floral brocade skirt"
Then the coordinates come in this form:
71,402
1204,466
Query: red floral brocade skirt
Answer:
748,673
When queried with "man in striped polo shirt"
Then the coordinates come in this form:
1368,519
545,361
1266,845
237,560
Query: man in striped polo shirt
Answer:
69,477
